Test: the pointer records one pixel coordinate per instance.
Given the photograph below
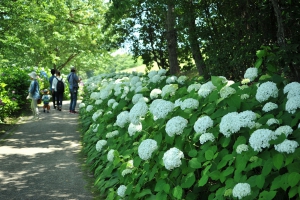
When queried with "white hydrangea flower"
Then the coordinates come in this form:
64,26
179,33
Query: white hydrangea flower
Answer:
136,98
181,79
177,103
95,129
162,72
245,96
169,90
115,105
81,105
230,123
160,108
241,190
100,144
299,125
130,164
243,87
292,90
287,130
98,102
292,104
272,121
171,79
189,103
247,119
95,95
155,93
171,158
110,155
111,102
121,190
206,89
138,111
202,124
152,73
97,114
134,80
89,108
105,92
287,146
126,171
112,134
260,138
269,106
206,137
176,126
226,91
245,81
133,128
251,73
146,148
242,147
122,119
266,90
195,86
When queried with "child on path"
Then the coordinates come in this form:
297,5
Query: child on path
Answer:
34,94
46,99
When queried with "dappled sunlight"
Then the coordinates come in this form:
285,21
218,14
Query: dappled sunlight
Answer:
9,150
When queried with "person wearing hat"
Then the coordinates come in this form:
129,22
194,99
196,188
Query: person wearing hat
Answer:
34,94
46,99
73,87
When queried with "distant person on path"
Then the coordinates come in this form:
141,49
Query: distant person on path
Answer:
34,94
46,99
51,90
73,86
59,88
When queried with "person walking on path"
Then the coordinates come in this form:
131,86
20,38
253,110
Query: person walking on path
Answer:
59,88
73,87
46,99
51,90
34,94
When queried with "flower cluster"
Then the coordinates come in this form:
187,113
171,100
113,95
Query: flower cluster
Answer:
266,90
97,114
260,138
292,104
272,121
242,147
241,190
176,126
171,158
202,124
226,92
287,130
181,79
195,87
169,90
292,90
110,155
121,190
206,137
251,73
160,108
126,171
139,110
269,107
206,89
112,134
122,119
89,108
110,102
133,128
146,148
100,144
136,98
287,146
155,93
171,79
189,103
81,105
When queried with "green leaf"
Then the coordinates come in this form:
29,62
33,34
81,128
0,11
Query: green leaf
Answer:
261,53
266,195
278,140
215,175
161,195
209,154
278,160
177,192
293,178
194,163
217,81
188,180
228,171
192,153
267,168
143,193
258,63
293,191
159,185
260,181
271,67
203,180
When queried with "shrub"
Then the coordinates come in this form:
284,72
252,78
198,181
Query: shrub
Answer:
190,139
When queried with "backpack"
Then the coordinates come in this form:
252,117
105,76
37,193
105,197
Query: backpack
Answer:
60,86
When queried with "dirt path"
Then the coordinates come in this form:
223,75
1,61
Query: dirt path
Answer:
39,160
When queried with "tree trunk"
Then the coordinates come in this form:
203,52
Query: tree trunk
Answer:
172,41
200,64
280,29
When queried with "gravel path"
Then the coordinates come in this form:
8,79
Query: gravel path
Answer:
39,160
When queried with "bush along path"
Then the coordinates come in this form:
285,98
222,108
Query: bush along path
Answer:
40,159
165,137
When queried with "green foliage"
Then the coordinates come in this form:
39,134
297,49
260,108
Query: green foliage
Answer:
210,170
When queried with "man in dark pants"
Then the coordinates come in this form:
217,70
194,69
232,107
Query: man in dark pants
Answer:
73,87
52,92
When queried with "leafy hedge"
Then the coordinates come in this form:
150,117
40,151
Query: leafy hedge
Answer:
167,137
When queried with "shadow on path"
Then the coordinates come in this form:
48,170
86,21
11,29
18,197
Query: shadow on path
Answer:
40,159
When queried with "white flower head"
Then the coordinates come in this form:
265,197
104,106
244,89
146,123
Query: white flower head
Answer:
241,190
269,107
247,119
242,147
202,124
110,155
133,128
287,130
172,158
245,96
189,103
251,73
206,89
260,138
112,134
89,108
171,79
122,119
100,144
81,105
287,146
169,90
176,125
230,123
195,87
226,91
292,104
121,190
272,121
138,111
97,114
136,98
206,137
146,148
181,79
98,101
126,171
155,93
160,108
266,90
111,102
292,90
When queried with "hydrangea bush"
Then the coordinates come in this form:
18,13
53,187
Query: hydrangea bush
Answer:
160,137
